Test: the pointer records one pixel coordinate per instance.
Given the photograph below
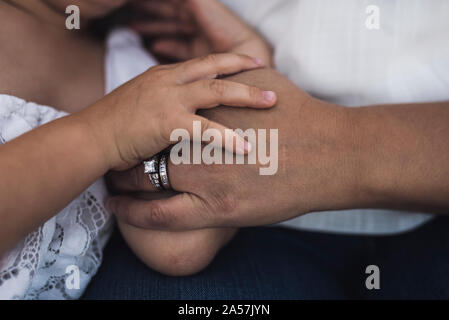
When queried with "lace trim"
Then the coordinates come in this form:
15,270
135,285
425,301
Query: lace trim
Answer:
27,259
91,216
97,224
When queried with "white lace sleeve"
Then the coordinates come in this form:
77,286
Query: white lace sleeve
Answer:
47,263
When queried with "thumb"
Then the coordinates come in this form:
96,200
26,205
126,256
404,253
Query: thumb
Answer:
181,212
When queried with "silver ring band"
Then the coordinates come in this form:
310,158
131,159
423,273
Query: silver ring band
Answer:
163,172
156,181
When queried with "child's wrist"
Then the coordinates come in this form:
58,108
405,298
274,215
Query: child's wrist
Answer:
94,121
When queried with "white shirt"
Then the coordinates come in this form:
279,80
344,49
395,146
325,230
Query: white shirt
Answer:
325,47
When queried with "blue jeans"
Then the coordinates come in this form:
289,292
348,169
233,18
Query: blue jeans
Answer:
278,263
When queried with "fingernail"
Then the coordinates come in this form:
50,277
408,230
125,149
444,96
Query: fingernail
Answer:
259,62
248,147
269,96
242,146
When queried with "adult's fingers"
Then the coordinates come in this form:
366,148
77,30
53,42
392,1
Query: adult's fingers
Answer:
132,180
164,27
165,8
135,180
207,94
181,212
213,65
172,48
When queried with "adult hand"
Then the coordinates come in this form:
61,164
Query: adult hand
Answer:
186,29
135,121
318,169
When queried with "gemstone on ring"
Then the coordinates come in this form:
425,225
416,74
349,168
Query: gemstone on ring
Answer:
151,166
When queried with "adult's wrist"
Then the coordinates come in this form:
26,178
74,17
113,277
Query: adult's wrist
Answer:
364,158
339,166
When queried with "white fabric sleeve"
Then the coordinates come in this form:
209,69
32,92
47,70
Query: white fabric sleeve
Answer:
37,268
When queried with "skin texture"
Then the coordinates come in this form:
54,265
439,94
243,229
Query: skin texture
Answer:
117,132
36,46
182,30
245,187
24,73
404,165
140,116
176,253
330,157
315,153
111,134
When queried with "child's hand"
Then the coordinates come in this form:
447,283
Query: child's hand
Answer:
135,122
184,29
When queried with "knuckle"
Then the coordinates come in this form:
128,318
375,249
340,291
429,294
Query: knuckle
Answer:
200,60
212,58
217,87
205,125
156,68
254,93
164,115
123,212
224,203
158,73
169,124
243,60
243,57
158,218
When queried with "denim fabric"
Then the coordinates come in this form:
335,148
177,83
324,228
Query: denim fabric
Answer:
278,263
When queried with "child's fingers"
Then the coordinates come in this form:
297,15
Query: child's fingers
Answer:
206,94
228,139
214,65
